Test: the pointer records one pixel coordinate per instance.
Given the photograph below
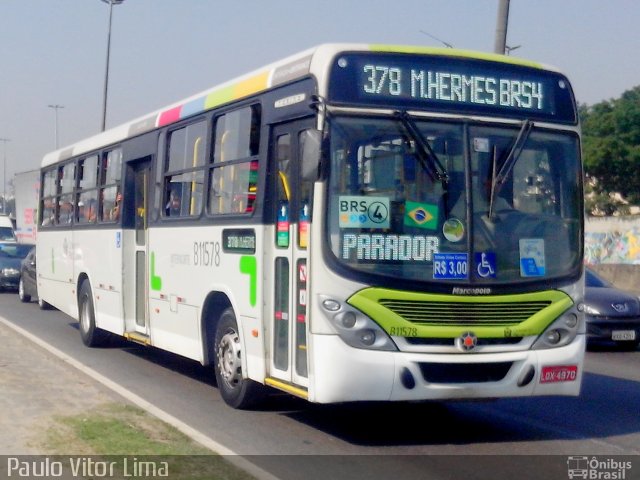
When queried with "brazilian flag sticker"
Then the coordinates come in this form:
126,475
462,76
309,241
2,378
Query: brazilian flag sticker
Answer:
421,215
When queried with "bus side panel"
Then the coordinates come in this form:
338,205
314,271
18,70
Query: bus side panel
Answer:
103,266
188,264
175,291
55,259
175,327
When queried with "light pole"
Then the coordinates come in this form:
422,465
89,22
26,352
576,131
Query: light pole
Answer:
106,73
501,27
56,107
4,176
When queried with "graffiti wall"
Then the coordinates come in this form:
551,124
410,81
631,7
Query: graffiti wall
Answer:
612,240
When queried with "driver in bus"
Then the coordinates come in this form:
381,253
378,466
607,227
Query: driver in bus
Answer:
173,206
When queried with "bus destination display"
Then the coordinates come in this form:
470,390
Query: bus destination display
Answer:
452,84
453,87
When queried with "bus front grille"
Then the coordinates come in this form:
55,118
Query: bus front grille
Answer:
434,313
464,372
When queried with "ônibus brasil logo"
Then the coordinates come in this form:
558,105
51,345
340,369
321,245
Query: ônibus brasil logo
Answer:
597,468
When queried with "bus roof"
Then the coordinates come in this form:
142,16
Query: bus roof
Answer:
314,61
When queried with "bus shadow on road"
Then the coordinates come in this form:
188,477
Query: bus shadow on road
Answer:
607,407
170,361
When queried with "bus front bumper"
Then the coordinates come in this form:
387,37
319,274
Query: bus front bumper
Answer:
344,374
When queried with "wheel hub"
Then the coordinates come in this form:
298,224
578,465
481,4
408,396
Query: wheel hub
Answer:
229,359
84,316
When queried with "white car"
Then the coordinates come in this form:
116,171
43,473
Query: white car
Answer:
7,233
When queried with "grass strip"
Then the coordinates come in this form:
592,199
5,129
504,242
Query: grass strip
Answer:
130,442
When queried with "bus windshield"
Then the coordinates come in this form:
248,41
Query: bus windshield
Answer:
484,205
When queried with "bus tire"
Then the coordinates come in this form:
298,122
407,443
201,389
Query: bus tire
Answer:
91,335
236,391
43,305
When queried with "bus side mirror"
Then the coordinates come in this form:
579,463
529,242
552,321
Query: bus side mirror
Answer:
310,141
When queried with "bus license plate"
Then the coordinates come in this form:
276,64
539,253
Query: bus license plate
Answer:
623,335
560,373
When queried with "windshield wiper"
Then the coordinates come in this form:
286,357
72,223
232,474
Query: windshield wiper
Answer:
428,158
498,180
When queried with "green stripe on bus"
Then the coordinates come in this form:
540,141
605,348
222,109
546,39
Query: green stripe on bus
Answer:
155,281
249,266
219,97
454,52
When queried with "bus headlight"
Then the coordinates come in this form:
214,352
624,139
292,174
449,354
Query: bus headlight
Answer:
559,333
355,328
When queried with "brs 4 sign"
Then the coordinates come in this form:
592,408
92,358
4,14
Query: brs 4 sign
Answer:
559,373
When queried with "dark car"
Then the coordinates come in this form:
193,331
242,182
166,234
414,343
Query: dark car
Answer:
28,287
11,256
612,315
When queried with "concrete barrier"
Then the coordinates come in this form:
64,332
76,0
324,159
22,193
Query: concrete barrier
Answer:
612,248
625,277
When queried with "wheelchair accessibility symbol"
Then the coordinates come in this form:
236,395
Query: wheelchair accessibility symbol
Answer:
485,264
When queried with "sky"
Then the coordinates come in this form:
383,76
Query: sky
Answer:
53,52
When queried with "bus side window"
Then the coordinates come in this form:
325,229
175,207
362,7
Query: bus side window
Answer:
233,177
109,181
184,175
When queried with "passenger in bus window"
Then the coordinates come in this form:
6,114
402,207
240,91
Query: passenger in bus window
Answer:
114,214
91,210
173,206
66,211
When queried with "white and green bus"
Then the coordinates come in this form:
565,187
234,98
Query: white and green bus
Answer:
355,222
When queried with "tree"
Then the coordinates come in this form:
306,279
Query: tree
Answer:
611,147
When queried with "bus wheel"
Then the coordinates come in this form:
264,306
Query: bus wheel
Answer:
236,391
91,335
43,305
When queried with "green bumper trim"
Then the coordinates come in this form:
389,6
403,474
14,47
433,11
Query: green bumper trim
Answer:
462,313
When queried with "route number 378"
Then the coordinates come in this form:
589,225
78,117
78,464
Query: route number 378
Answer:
382,80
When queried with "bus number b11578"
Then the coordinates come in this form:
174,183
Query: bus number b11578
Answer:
206,254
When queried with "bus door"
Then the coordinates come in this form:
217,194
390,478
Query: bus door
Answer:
286,252
135,264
